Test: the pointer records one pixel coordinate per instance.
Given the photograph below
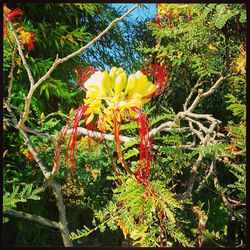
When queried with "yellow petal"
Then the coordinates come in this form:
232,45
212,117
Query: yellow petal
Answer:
106,81
135,102
90,118
143,87
120,83
112,74
95,84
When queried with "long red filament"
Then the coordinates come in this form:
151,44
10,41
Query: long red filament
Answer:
71,145
58,149
142,173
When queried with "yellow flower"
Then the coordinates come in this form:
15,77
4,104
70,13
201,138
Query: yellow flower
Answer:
120,83
212,47
176,13
114,91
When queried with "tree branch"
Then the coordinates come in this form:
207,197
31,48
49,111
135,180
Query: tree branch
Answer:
38,134
193,174
98,135
20,51
231,212
50,181
202,95
198,84
32,217
56,188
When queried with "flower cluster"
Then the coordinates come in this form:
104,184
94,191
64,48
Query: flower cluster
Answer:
107,92
171,12
27,38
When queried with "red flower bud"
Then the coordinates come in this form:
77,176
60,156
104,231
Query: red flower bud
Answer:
14,13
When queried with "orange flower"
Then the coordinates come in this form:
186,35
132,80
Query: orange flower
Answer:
28,39
10,14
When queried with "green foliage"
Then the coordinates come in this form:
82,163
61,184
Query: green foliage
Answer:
200,50
18,194
136,213
238,109
222,14
57,88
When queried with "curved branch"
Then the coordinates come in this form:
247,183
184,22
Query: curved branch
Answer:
38,134
32,217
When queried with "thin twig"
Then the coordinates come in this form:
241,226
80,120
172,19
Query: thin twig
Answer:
193,174
11,77
196,132
160,128
38,134
211,170
198,84
231,164
232,213
199,124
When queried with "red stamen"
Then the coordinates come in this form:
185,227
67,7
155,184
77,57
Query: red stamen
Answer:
58,150
160,77
73,137
142,173
158,19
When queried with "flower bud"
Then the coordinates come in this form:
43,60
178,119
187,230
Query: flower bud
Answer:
106,81
112,72
120,82
131,83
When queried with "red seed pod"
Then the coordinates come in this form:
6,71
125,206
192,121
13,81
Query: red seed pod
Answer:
190,17
238,27
168,14
158,19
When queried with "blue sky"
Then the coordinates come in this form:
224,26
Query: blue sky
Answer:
139,12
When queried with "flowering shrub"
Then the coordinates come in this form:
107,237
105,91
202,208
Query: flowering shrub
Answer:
112,97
